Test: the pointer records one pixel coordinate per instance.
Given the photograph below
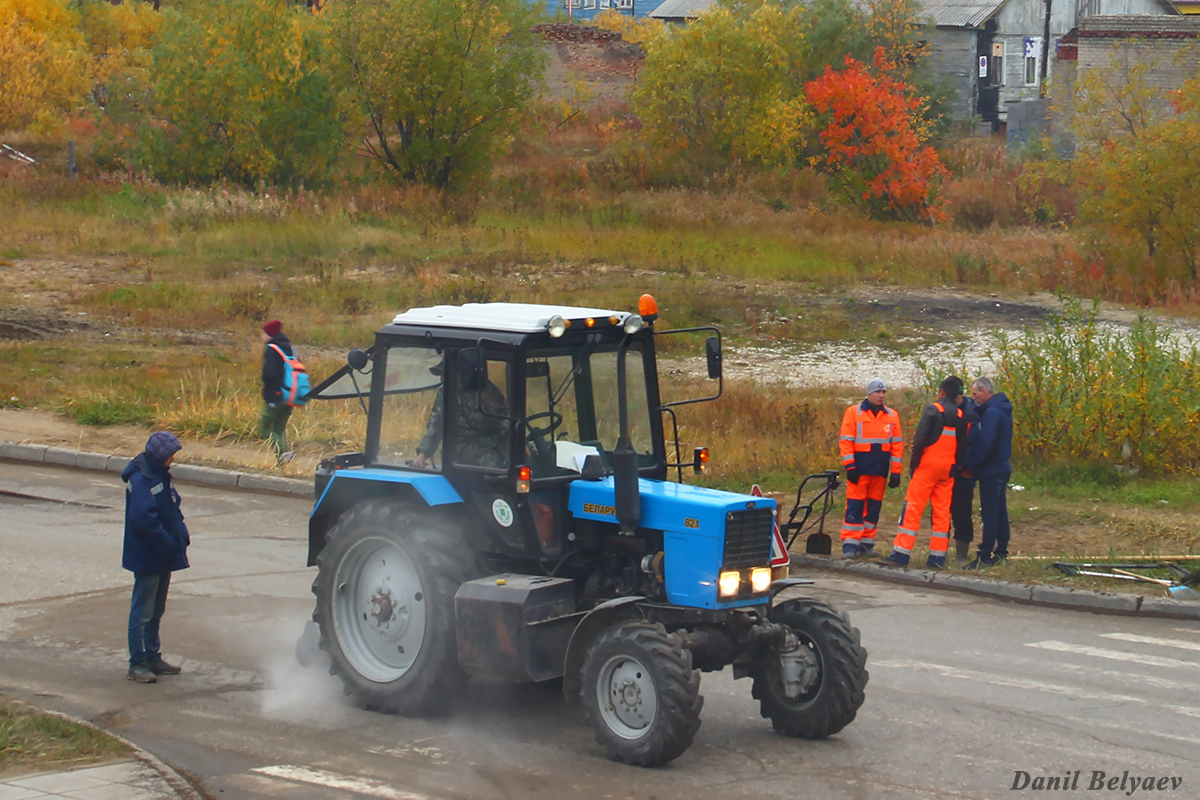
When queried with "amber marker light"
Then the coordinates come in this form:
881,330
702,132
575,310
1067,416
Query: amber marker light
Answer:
589,322
700,459
524,476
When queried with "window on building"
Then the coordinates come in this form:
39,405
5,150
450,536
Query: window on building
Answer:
997,67
1033,47
623,3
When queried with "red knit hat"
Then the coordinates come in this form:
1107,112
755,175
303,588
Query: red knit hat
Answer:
273,328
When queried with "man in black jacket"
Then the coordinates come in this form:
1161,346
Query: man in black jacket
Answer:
272,424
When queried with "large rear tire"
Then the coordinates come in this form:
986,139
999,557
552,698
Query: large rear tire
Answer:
641,694
827,672
385,590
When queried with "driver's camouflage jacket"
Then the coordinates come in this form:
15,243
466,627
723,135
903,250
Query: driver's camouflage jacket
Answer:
482,439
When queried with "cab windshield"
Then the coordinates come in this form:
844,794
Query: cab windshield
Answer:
571,408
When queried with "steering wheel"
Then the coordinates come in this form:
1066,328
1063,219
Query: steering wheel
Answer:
537,434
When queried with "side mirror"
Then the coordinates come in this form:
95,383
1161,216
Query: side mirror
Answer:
537,369
358,359
712,347
472,370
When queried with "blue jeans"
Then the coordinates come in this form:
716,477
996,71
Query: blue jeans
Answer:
993,508
146,609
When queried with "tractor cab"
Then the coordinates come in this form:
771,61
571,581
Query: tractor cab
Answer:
506,404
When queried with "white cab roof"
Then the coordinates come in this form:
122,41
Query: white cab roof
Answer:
510,317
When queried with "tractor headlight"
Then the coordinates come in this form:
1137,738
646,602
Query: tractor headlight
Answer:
557,326
634,323
760,579
728,583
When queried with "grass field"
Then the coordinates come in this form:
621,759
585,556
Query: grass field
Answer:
129,303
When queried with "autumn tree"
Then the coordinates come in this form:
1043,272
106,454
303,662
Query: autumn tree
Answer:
238,95
432,89
1137,163
728,87
43,63
871,134
119,42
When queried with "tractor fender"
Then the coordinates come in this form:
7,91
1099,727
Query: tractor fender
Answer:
349,487
585,633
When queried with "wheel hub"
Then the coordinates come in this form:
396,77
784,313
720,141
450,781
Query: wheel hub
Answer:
799,668
630,701
379,615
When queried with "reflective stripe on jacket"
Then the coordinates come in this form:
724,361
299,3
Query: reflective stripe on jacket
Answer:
943,451
870,440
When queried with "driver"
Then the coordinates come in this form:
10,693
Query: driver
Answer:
482,436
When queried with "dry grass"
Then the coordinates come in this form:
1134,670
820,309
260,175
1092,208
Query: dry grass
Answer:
31,741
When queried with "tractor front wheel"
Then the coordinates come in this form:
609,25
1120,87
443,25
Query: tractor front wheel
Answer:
812,687
385,606
641,693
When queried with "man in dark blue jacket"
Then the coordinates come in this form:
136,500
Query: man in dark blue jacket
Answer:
989,457
156,542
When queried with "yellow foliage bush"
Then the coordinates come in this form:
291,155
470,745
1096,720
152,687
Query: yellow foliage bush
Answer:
43,63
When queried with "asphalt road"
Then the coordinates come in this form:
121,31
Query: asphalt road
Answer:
966,693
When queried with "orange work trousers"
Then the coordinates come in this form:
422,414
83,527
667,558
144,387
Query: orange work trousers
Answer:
863,502
929,485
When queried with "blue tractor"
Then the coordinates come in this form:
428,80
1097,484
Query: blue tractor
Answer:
511,515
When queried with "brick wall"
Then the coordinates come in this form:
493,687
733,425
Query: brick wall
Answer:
1169,48
601,57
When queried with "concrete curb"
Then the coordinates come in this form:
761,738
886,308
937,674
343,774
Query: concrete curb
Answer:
1057,596
184,473
179,785
1032,594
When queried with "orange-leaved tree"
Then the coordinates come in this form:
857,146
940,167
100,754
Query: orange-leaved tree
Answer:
874,147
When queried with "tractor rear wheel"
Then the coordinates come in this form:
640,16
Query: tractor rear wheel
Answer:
385,589
641,693
815,688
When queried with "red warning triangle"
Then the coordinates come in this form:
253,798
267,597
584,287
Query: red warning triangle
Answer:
779,553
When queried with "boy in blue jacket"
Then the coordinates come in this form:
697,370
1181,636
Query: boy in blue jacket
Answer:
156,542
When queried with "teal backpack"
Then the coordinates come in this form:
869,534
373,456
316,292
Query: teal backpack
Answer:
295,379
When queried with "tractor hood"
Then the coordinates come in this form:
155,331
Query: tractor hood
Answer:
666,506
705,531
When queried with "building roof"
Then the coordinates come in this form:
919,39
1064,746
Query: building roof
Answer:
508,317
1117,25
681,9
960,13
945,13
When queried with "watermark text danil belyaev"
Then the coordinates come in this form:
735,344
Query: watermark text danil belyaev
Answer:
1095,780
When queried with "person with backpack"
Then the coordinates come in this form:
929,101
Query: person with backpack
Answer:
284,386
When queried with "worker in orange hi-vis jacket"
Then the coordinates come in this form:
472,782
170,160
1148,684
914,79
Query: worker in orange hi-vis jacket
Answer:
939,441
872,449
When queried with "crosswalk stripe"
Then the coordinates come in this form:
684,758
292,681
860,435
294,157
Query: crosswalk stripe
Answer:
1138,639
1187,687
332,780
1115,655
992,679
